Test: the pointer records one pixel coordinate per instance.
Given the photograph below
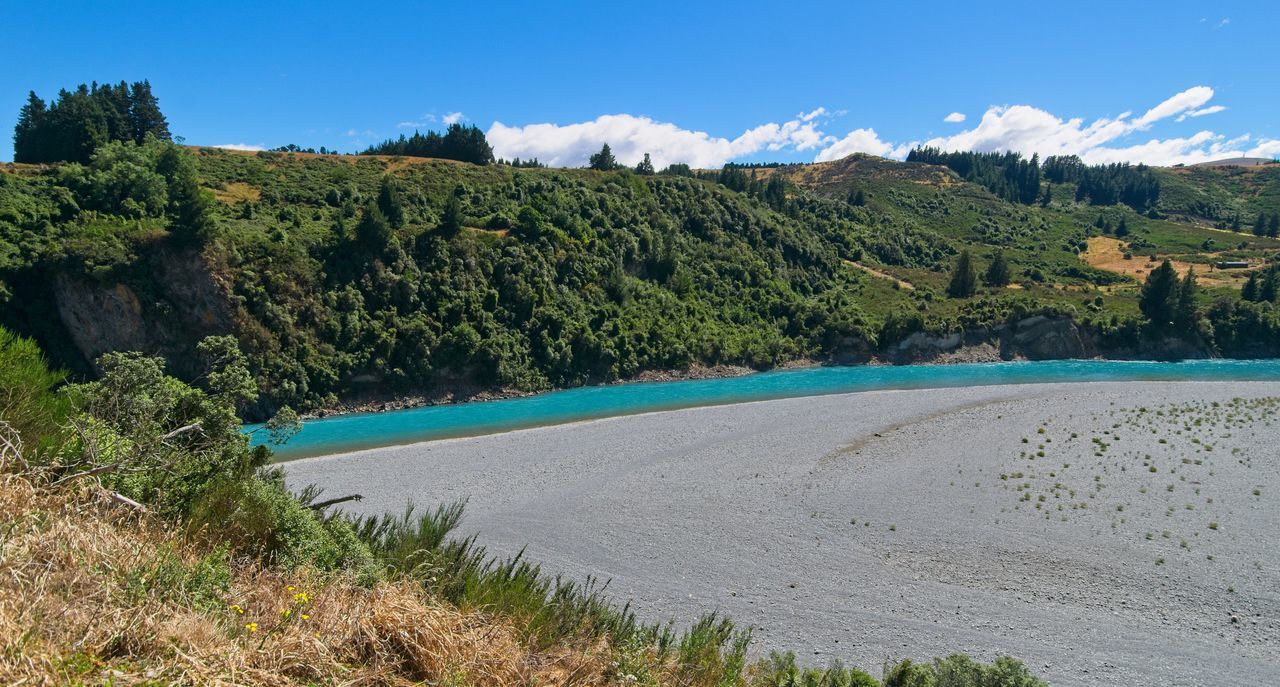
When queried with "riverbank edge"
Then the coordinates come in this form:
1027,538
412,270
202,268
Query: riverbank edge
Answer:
1035,337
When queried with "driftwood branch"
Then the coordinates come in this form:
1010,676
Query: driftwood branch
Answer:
87,473
11,447
125,500
333,502
193,427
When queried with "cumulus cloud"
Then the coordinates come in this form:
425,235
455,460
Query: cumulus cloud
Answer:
241,146
1027,130
630,137
863,141
1020,128
453,118
1185,101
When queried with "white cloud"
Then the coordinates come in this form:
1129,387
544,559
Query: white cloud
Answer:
1021,128
422,121
862,141
453,118
630,137
1187,100
241,146
1212,109
1027,130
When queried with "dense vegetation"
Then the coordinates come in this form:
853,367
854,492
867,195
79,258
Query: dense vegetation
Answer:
1014,179
464,143
72,127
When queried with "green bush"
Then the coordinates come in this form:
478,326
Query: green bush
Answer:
27,399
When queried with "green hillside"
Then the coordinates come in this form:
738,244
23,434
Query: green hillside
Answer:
370,276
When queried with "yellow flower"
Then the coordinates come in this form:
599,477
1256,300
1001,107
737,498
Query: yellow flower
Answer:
301,597
306,617
252,627
290,587
286,613
237,609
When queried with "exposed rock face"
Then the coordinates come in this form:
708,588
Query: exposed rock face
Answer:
1045,338
188,305
101,318
1037,338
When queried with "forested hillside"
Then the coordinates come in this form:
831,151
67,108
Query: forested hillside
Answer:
348,277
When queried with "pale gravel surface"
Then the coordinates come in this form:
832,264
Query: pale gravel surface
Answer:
876,525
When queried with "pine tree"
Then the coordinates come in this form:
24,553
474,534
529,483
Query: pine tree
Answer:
1122,229
190,210
857,198
28,145
144,114
997,273
775,193
451,220
374,231
1047,197
1160,295
1184,315
1250,290
390,203
645,167
964,279
1260,225
1270,287
1273,228
604,160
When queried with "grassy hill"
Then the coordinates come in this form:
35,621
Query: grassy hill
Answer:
351,277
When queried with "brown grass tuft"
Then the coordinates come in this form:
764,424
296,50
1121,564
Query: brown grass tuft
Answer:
91,592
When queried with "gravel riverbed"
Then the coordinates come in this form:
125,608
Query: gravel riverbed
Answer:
1120,533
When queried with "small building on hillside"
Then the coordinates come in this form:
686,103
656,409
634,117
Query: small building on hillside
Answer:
1232,265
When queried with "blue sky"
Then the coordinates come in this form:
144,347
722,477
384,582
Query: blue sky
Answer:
683,80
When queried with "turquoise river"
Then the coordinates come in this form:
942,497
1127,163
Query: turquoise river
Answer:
369,430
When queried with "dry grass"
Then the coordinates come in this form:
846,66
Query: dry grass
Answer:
902,284
1106,253
236,192
91,592
392,163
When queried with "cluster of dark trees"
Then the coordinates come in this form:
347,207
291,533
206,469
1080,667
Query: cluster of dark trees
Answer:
1015,179
531,163
735,178
1005,174
295,148
1121,228
964,276
1169,303
1264,288
1264,227
1136,187
458,142
604,161
70,128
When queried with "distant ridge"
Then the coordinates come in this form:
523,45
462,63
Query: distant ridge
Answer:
1237,162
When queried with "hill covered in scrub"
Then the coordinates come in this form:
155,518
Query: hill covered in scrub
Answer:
345,277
